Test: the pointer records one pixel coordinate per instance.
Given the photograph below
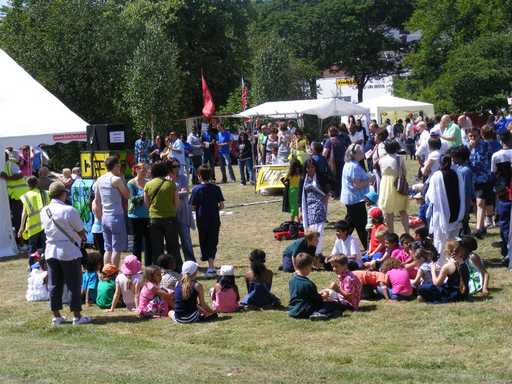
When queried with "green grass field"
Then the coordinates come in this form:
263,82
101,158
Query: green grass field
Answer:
411,342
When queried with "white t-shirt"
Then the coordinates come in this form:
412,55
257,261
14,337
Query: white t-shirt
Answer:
178,146
502,156
391,132
357,136
128,293
349,247
435,157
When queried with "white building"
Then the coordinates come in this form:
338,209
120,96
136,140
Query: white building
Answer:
345,88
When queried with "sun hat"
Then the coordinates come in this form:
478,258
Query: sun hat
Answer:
109,270
372,196
189,267
131,265
227,270
375,213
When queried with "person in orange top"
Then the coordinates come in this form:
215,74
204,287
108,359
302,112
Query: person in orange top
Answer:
376,247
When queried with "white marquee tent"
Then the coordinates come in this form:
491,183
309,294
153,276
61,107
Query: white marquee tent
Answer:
31,115
322,108
394,107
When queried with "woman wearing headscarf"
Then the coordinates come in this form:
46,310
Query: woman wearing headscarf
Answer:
446,205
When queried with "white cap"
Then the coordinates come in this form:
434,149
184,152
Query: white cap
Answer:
189,267
227,270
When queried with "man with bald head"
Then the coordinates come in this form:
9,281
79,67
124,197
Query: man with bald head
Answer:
450,132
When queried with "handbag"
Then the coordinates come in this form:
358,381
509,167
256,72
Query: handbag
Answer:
83,259
401,185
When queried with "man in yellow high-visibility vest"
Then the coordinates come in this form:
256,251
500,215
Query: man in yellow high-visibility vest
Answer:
16,186
31,228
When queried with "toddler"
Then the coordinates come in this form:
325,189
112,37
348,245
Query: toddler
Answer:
396,277
347,289
128,284
423,260
291,195
153,300
90,278
378,227
224,294
106,286
370,199
190,306
170,277
259,283
305,301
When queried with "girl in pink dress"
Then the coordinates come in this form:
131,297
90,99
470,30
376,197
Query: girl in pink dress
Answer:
225,294
153,300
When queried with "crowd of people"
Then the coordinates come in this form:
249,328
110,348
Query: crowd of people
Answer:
460,167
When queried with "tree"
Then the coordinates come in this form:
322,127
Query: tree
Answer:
352,33
463,43
154,82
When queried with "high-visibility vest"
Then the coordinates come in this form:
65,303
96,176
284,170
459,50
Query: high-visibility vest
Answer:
15,188
33,202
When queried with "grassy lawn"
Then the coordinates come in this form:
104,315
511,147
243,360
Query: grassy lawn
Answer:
398,342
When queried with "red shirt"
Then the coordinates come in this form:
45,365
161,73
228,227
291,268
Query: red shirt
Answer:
374,243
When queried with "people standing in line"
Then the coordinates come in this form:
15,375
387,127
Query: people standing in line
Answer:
196,151
245,162
16,187
390,201
224,143
64,232
209,138
109,192
141,149
138,214
207,201
354,187
184,210
31,228
161,198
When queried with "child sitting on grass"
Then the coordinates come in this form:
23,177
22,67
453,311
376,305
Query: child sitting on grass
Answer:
405,255
128,284
259,283
423,259
106,286
376,245
190,306
170,277
90,278
305,301
224,294
396,277
347,245
153,300
346,290
369,280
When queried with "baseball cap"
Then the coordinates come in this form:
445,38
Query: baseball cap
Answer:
372,196
375,213
227,270
189,267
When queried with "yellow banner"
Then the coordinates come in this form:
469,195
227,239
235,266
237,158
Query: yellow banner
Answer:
342,82
98,161
269,176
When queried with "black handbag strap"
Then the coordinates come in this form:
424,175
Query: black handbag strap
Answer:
50,216
156,192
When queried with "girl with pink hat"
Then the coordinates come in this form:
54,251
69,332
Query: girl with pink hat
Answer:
128,284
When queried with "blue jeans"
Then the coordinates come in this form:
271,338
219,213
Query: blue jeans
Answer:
225,160
208,159
393,296
186,242
246,165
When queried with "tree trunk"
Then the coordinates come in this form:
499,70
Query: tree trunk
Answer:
152,126
360,89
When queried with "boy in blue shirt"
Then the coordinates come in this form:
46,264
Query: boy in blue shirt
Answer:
207,200
224,143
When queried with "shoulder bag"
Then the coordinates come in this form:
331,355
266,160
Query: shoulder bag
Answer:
401,185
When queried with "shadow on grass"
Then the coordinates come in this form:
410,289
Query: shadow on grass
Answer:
103,320
19,256
367,308
495,263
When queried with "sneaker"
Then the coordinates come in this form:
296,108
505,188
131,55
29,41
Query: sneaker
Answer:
81,320
56,321
317,316
210,273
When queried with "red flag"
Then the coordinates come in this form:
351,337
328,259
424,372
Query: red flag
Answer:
244,95
208,105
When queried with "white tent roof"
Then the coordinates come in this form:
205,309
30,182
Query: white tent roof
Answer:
323,108
388,103
29,114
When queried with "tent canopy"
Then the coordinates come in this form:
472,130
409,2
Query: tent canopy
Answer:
387,105
29,114
322,108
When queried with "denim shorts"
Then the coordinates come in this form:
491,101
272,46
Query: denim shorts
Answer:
115,235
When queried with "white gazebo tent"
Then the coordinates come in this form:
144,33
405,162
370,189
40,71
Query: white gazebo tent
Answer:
31,115
322,108
392,107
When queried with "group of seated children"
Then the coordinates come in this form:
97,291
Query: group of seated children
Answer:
394,268
160,291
